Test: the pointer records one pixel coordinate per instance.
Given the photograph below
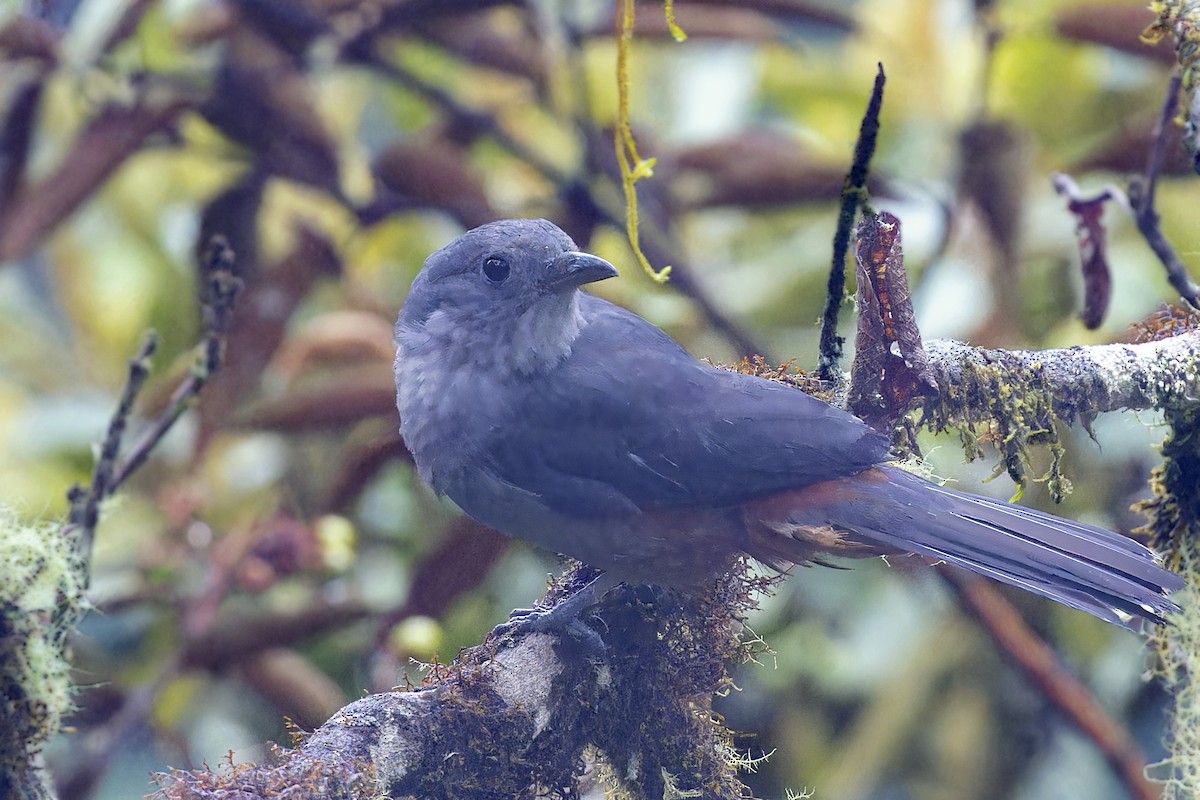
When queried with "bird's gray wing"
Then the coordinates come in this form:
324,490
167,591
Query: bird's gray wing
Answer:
630,421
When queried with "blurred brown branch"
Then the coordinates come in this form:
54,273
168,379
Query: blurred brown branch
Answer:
1026,651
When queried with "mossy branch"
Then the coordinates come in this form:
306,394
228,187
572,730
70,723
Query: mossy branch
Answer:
1078,382
41,600
523,713
1022,395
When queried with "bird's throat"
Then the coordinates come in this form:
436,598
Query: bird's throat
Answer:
544,332
451,375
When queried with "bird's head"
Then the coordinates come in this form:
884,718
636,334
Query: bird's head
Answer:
509,285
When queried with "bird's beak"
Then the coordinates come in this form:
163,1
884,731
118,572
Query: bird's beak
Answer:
571,270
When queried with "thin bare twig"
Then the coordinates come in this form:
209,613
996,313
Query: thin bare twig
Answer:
85,504
853,196
221,287
220,290
1141,198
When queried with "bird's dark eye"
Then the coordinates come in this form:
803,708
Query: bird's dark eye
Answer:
496,268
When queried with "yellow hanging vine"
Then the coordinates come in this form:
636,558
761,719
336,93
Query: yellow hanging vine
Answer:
633,166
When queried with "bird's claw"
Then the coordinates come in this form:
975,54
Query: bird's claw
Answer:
564,617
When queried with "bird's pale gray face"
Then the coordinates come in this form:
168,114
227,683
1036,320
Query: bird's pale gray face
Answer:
501,299
500,272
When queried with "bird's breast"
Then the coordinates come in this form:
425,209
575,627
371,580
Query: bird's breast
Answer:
453,408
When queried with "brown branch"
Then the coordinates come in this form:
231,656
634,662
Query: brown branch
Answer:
232,640
294,684
1025,650
110,139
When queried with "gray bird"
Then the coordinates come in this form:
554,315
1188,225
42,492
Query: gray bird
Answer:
557,417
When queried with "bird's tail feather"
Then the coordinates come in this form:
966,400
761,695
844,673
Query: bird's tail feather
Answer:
1081,566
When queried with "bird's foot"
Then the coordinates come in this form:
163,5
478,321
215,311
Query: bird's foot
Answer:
564,617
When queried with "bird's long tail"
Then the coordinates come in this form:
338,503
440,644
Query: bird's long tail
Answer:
1081,566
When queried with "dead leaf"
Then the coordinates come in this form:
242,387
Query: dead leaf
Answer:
891,368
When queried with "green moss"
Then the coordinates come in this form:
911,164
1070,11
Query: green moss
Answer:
1173,526
1020,410
284,776
642,715
41,598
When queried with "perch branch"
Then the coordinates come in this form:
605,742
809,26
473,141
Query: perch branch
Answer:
531,706
522,711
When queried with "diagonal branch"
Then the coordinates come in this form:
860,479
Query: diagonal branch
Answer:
1025,650
1141,197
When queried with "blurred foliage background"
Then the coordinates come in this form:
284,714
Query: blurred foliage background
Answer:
278,557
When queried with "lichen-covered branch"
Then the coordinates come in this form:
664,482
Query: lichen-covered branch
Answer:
477,729
41,600
1022,395
533,714
1078,382
1075,383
